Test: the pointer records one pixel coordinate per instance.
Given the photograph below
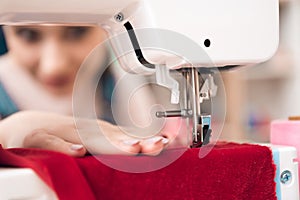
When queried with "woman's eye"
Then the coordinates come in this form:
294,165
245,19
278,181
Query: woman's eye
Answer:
76,33
29,35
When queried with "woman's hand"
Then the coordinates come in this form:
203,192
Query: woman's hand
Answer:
32,129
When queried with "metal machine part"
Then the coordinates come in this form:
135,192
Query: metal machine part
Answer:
196,90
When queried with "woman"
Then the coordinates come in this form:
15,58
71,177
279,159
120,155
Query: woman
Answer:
36,83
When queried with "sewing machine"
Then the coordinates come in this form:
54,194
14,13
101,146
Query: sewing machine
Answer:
205,37
199,37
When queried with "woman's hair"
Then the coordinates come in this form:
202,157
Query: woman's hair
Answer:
3,48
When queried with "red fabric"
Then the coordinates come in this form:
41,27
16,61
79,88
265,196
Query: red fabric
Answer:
230,171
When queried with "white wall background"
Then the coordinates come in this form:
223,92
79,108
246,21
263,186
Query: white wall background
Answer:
268,91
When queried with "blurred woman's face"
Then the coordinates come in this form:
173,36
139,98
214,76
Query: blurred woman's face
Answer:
52,54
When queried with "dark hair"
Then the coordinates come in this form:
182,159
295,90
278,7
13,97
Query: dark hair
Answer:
3,48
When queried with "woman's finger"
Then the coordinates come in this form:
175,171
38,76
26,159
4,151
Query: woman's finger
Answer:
153,146
43,140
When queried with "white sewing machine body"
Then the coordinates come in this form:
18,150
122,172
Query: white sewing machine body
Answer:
25,184
231,32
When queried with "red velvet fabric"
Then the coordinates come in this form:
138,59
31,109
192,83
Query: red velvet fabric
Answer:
230,172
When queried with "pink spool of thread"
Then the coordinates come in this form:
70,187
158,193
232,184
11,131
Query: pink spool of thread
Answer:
287,132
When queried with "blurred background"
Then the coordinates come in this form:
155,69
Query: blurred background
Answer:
262,93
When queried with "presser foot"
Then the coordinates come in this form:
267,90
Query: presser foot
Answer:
202,139
200,136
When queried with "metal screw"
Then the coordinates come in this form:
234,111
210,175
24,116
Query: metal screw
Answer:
286,177
119,17
203,95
